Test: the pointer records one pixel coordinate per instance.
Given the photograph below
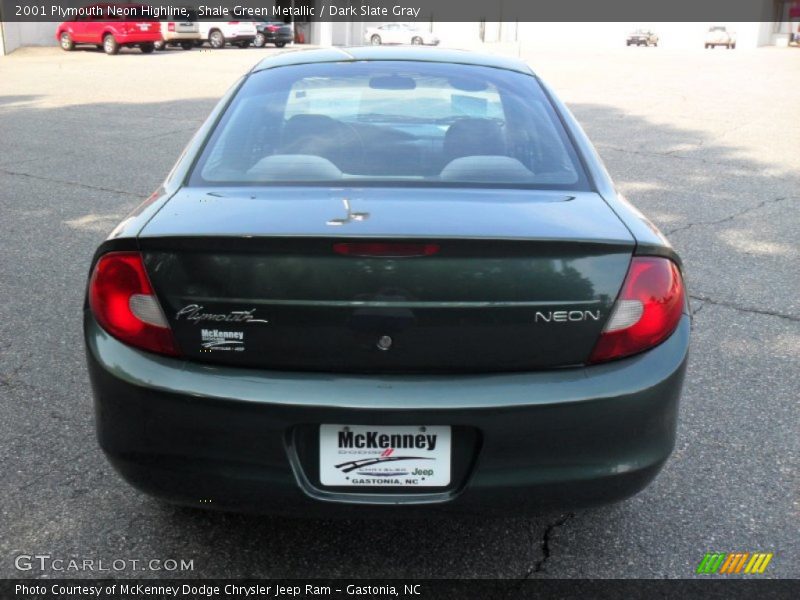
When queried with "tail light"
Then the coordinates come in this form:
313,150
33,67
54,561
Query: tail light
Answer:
123,302
272,28
647,311
233,22
170,26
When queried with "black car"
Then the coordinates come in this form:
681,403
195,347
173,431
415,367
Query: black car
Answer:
273,32
387,277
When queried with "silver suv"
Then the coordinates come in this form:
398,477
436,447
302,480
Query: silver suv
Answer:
185,34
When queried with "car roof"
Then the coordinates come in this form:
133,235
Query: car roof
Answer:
382,53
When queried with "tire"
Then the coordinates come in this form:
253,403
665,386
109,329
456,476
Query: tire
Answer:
375,40
280,44
416,41
628,44
733,46
66,43
162,45
216,39
147,48
187,45
260,41
110,45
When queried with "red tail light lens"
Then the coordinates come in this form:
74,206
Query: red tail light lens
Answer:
647,311
385,249
123,302
170,26
233,22
272,28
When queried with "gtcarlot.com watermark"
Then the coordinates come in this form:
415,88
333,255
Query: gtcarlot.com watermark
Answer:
49,563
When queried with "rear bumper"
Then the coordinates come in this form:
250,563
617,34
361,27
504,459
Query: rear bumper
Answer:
175,36
280,38
138,38
190,433
244,37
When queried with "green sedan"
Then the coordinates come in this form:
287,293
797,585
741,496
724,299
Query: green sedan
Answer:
387,280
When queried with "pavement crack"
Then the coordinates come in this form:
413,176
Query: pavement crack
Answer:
11,380
742,308
545,544
696,308
699,307
665,154
731,217
168,133
72,183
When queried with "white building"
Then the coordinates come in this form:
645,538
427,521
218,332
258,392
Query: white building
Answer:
780,19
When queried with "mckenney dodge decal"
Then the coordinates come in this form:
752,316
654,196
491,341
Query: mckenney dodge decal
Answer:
359,455
215,340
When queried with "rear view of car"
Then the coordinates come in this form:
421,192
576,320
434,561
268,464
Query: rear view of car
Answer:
273,32
720,36
220,33
184,33
399,33
642,37
382,278
111,27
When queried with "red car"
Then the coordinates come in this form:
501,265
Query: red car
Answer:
109,26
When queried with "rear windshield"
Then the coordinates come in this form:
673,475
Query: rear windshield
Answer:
386,122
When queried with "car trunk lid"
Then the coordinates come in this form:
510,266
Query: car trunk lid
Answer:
386,280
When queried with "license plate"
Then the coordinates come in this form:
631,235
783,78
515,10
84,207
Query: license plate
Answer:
384,456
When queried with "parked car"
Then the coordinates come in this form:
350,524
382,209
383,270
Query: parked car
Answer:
377,278
185,34
109,32
720,36
642,37
273,32
399,33
219,33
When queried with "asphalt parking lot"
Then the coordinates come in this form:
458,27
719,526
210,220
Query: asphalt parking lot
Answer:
707,144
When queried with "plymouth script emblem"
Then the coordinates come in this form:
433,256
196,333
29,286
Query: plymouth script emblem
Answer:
194,313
